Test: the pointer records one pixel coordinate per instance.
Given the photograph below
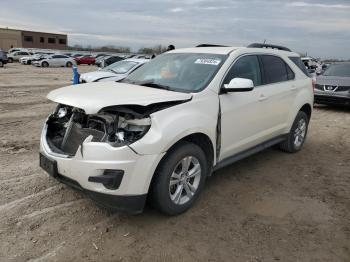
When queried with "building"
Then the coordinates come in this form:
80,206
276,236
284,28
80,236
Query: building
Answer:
27,39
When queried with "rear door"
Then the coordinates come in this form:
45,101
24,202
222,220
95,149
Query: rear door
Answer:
280,90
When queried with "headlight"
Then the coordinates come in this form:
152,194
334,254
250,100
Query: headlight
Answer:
129,130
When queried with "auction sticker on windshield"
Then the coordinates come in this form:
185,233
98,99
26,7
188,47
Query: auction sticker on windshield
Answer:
207,61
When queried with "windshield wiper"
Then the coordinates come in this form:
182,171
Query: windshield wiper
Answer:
152,84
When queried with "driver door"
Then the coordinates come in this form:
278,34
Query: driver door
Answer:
244,115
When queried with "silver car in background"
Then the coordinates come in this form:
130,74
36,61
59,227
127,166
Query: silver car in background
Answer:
114,72
333,86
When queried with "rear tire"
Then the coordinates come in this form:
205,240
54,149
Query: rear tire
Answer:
69,64
297,134
45,64
179,179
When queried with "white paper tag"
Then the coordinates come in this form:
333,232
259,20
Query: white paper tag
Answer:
207,61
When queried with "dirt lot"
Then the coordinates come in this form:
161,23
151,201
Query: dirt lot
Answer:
270,207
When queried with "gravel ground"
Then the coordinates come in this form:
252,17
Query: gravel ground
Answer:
269,207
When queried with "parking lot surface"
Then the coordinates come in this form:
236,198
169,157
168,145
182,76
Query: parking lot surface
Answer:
272,206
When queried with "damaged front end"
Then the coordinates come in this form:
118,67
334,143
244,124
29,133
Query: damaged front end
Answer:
68,127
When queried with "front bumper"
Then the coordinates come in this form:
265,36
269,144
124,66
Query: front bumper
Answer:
93,159
332,98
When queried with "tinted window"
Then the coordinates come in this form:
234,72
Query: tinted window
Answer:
275,69
51,40
297,61
42,40
62,41
246,67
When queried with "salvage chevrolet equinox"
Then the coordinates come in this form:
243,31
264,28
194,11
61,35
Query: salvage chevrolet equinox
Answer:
159,133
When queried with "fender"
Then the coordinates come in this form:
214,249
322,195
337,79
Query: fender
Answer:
174,123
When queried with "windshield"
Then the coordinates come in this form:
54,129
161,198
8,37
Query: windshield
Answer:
184,72
342,70
120,67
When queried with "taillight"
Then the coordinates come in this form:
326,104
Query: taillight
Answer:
313,84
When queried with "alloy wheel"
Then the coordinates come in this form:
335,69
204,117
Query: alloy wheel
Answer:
299,133
184,180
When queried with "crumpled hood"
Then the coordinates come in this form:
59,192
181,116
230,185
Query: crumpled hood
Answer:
93,76
92,97
333,80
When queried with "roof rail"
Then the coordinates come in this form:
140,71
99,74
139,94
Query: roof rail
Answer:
211,45
258,45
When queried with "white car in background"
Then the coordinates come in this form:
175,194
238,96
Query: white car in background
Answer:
27,60
15,56
56,60
114,72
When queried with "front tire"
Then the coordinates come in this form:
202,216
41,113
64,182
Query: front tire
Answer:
297,135
45,64
69,64
179,179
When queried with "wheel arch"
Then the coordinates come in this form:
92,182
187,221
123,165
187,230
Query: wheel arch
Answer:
200,139
307,109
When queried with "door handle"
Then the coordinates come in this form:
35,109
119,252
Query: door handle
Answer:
262,98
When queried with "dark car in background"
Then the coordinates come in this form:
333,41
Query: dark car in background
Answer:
333,86
3,58
110,60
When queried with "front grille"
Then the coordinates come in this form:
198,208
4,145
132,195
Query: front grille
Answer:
339,88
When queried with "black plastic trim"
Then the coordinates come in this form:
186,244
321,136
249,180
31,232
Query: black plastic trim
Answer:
230,160
260,45
111,179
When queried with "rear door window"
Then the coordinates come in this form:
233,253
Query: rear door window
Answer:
275,69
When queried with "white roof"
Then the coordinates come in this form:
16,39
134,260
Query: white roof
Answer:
221,50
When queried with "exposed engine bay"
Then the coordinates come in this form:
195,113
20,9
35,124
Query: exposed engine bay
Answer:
69,127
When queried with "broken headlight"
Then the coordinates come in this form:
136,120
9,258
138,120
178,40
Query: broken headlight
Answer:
128,130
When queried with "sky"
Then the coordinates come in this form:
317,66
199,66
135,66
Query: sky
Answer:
320,28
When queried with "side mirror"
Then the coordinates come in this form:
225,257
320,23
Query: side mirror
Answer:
239,85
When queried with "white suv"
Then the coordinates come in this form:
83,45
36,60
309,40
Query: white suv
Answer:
160,132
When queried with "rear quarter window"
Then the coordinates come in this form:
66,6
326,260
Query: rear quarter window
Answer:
297,61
